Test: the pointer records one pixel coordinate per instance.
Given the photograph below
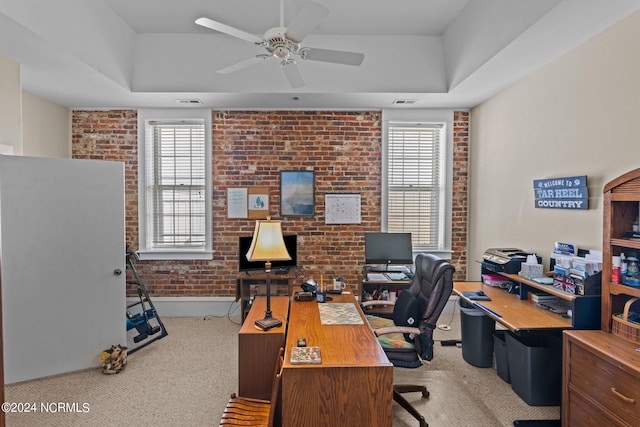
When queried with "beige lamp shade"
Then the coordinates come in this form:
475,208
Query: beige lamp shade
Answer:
268,243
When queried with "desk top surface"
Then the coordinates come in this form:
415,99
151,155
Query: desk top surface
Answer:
512,312
340,344
279,309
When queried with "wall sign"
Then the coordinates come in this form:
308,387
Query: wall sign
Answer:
237,206
258,203
342,208
561,193
248,202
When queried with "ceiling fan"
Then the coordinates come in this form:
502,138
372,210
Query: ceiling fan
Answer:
283,43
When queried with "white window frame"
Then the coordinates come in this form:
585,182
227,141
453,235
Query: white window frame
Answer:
420,118
145,252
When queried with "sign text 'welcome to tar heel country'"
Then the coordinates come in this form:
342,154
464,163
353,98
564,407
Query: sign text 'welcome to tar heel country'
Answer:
561,193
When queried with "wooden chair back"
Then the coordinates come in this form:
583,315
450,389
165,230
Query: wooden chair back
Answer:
244,411
275,389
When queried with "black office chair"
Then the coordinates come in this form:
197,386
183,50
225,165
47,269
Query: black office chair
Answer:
407,338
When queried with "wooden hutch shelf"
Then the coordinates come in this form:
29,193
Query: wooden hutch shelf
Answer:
601,369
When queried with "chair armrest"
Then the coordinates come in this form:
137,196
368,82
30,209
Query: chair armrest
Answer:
397,329
374,302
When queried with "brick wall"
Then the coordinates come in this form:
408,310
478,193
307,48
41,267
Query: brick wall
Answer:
460,193
250,149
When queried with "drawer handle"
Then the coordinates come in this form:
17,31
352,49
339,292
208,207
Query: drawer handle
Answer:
622,396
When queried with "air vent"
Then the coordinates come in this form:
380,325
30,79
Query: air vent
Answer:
404,101
189,101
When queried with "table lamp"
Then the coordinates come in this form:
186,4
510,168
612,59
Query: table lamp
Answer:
268,245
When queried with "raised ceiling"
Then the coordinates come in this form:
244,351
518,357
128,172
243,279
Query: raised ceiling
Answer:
150,53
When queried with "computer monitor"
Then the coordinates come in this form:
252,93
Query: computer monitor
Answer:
290,241
388,248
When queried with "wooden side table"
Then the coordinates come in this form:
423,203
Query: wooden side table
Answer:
258,350
244,282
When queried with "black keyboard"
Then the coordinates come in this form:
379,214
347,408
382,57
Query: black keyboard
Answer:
388,269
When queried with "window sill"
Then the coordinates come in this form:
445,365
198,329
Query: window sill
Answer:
442,253
174,255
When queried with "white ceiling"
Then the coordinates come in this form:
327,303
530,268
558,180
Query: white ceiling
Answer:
150,53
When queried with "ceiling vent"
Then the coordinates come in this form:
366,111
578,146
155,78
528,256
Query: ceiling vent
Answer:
189,101
404,101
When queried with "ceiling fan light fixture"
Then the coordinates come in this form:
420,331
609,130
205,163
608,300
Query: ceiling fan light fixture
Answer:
281,52
285,43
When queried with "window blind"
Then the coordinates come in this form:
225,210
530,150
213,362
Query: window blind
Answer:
414,183
175,177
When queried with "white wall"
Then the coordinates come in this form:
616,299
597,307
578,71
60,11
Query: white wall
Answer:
46,128
30,125
10,107
576,116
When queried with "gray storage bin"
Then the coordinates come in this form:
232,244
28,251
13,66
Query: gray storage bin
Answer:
535,368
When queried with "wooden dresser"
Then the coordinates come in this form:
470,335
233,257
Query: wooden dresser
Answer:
601,380
258,350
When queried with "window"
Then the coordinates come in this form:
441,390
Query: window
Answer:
174,189
415,192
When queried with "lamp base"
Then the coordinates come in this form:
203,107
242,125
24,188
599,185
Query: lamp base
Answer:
267,323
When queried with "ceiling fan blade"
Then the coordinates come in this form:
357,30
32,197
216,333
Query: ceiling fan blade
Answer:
224,28
335,56
242,64
293,74
306,21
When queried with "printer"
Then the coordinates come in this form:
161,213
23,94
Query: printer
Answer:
505,260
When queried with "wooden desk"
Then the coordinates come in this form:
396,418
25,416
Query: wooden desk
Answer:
258,350
515,314
354,384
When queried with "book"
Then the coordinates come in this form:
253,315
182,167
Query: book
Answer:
494,280
377,277
305,355
536,297
396,276
543,280
565,249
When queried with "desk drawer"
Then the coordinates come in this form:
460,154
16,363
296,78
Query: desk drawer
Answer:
605,383
585,413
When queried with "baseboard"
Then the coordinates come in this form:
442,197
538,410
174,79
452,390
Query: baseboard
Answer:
216,306
451,304
193,306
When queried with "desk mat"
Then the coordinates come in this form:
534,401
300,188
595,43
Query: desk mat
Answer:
339,313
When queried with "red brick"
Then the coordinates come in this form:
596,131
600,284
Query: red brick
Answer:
343,148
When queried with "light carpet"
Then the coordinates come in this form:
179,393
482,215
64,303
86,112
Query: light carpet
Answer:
449,404
185,379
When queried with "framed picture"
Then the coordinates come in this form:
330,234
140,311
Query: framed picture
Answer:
297,193
258,202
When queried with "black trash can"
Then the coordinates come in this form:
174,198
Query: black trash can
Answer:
535,368
477,336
